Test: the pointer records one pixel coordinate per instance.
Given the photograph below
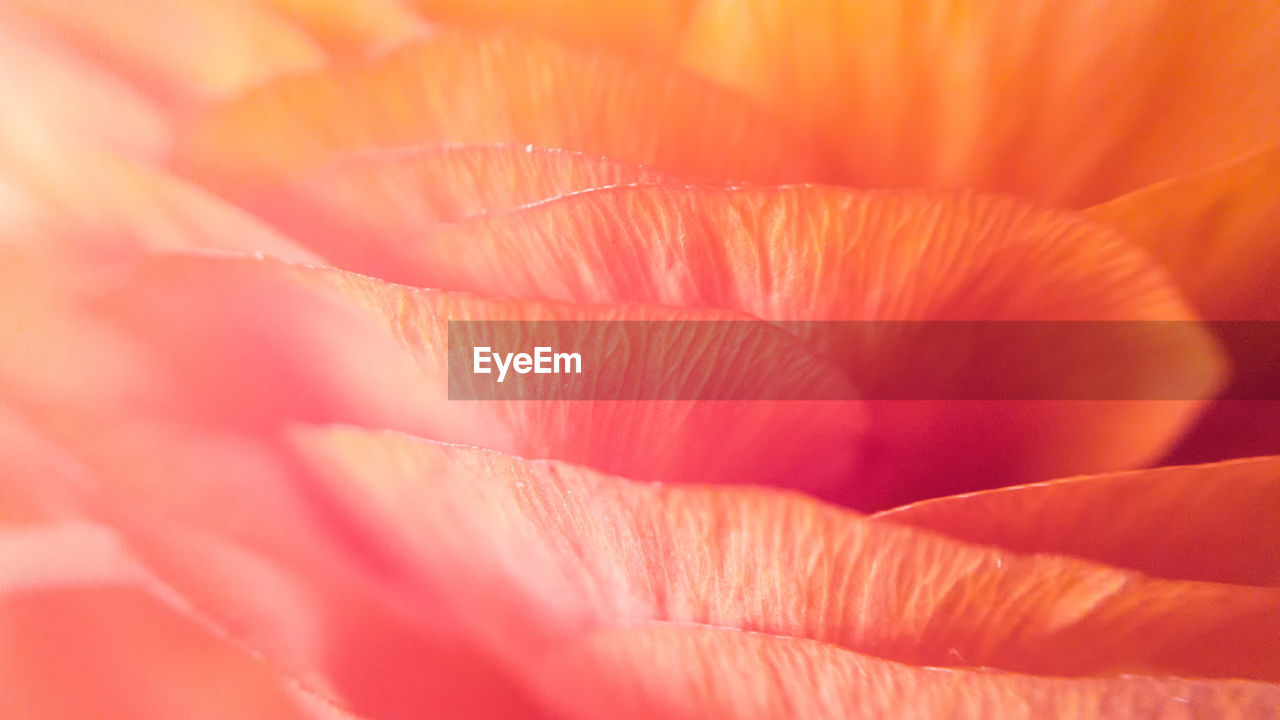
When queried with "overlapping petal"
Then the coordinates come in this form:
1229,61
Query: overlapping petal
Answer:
526,561
183,530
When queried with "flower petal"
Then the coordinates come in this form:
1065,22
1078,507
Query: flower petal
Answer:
192,53
359,210
97,204
1215,231
54,95
816,253
150,660
1210,522
1065,102
586,550
242,553
484,88
352,26
647,27
701,672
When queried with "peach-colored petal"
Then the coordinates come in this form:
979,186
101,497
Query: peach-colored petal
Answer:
1063,101
98,204
243,551
1211,522
56,94
484,88
194,52
585,550
87,632
816,253
1216,232
646,27
352,26
51,112
702,672
360,210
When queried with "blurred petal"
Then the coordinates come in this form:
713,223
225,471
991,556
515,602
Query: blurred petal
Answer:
94,203
646,27
51,112
462,87
1065,102
352,26
55,95
43,557
1216,232
360,210
815,253
151,660
586,550
191,52
703,672
1210,522
243,551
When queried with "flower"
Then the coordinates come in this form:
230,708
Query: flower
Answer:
238,482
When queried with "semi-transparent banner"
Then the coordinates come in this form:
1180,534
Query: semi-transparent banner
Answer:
926,360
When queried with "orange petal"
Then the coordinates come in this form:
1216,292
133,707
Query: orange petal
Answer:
462,87
1215,231
585,550
195,52
359,210
1065,102
701,672
86,634
646,27
815,253
352,26
1212,522
240,345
